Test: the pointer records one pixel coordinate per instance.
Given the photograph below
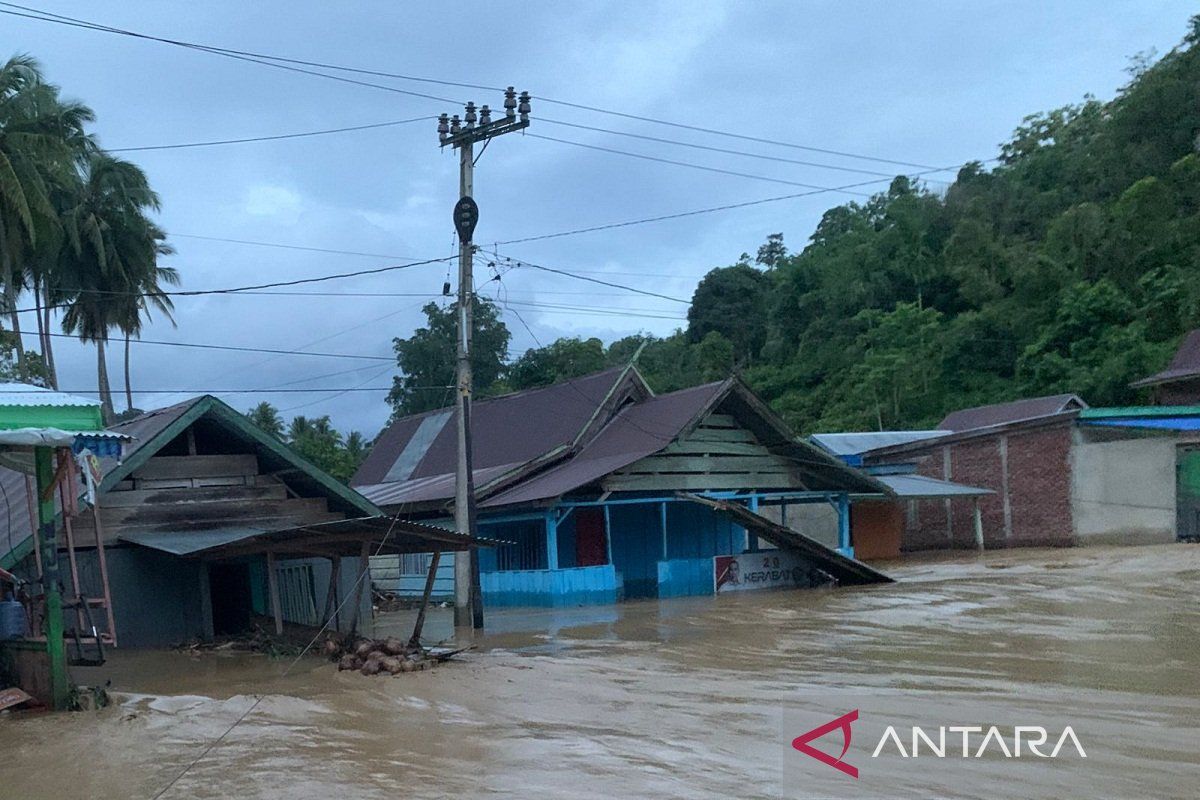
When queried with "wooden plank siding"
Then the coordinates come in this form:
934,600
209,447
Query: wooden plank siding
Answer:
718,454
196,492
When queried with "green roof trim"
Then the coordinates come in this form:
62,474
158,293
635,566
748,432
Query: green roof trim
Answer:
211,406
1121,412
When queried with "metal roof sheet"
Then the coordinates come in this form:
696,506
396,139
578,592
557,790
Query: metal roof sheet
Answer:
1015,411
918,486
850,444
517,427
386,535
185,543
1184,364
28,395
1124,412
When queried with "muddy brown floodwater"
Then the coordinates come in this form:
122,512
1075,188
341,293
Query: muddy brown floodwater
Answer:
685,698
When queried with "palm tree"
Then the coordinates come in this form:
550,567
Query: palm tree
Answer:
110,247
41,138
144,291
266,416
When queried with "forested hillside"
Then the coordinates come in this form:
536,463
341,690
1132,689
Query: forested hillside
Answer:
1069,263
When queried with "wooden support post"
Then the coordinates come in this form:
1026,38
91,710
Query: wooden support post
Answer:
273,587
414,641
331,604
978,525
69,533
103,561
608,532
60,686
662,523
31,501
751,540
364,558
843,508
551,539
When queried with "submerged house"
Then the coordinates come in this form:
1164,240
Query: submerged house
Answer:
205,521
602,490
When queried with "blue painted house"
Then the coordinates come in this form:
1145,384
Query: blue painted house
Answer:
593,483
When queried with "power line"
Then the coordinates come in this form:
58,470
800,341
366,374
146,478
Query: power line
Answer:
520,263
245,289
290,246
237,349
695,212
709,148
692,166
282,62
342,390
215,142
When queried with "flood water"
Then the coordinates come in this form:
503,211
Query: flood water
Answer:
686,698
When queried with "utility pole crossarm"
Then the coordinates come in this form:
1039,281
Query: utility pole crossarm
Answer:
462,135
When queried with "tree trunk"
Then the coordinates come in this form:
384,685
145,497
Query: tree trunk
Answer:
128,383
106,402
10,300
37,317
51,371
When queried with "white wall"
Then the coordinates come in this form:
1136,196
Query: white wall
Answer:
818,520
1123,489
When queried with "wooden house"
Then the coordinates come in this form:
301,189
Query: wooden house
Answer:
207,520
602,489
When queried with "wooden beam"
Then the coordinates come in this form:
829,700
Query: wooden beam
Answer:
273,584
364,558
331,604
415,639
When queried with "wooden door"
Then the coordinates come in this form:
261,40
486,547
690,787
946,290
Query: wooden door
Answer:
591,540
1187,493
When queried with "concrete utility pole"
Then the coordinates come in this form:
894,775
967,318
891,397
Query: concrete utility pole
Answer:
462,135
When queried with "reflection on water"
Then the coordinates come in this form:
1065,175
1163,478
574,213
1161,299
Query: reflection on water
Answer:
679,699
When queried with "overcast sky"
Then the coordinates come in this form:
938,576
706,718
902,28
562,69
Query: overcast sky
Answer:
925,83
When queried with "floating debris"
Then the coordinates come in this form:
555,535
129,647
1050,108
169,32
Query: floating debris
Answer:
389,656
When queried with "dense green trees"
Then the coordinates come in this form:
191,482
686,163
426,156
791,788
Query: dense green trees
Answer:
316,440
1072,265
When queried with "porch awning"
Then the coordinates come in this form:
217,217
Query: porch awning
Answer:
344,537
915,487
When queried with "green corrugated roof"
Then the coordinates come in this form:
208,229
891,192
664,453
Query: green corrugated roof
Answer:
1119,412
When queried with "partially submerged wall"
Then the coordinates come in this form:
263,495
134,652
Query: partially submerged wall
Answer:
1123,487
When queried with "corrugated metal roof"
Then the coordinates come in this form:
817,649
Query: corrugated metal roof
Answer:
28,395
185,543
512,428
1184,364
637,431
385,535
918,486
1015,411
851,444
1119,412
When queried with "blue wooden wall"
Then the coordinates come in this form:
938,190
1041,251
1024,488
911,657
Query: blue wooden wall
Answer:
636,534
546,587
696,531
684,577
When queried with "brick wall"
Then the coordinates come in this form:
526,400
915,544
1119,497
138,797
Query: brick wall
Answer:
1037,483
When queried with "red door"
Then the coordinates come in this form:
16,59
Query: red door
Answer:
591,544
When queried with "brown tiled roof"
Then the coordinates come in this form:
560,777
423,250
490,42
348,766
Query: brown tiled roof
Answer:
1184,364
1015,411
